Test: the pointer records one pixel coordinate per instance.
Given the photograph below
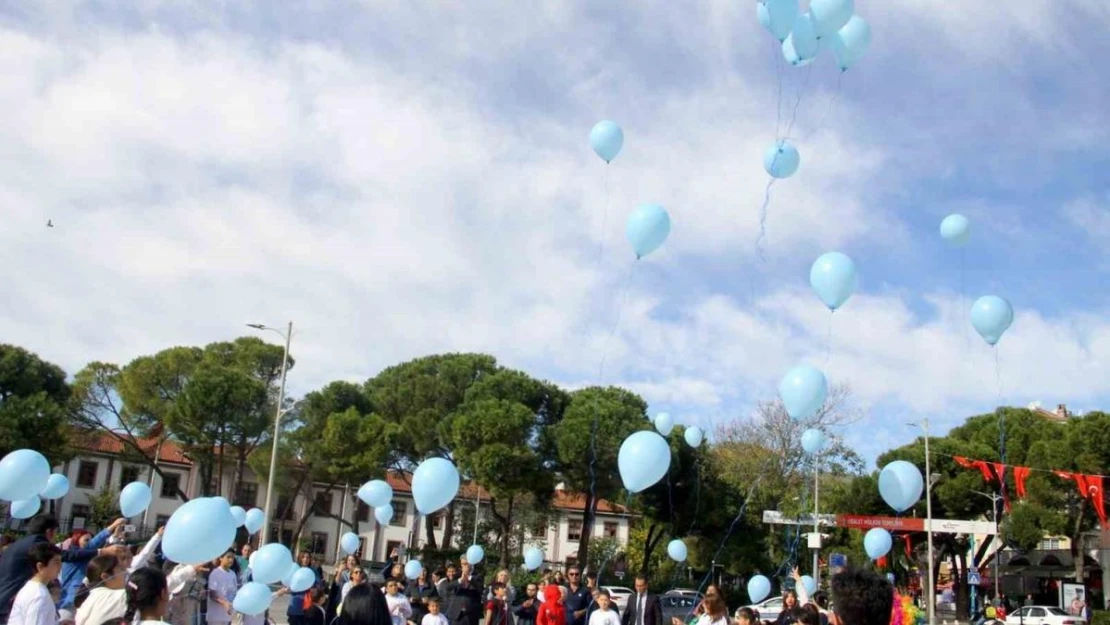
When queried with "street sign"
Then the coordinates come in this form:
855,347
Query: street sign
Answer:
973,578
775,517
838,562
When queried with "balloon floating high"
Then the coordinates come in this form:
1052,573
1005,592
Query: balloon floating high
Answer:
803,38
375,493
956,229
664,424
199,531
643,460
781,160
57,486
647,229
252,599
475,554
792,57
26,508
272,563
256,518
778,16
24,473
303,579
833,278
136,497
758,588
533,558
901,484
240,515
434,484
877,543
607,138
829,16
694,436
991,315
676,549
350,543
851,42
383,514
803,391
813,441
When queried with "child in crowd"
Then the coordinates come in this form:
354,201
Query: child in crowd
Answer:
399,607
433,617
604,614
317,613
747,616
32,604
497,609
107,598
223,583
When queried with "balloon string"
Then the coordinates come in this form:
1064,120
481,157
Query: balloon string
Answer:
798,102
828,340
828,110
604,222
997,372
759,241
776,54
961,319
616,326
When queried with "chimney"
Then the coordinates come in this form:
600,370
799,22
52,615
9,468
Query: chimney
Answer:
1062,411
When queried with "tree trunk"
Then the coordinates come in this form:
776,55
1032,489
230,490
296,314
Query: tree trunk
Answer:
587,529
449,526
959,561
1077,541
507,530
237,482
430,535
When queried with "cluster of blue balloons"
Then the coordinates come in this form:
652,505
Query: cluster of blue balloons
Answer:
828,24
25,481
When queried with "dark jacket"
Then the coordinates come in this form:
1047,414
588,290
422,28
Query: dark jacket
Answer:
15,569
526,615
653,611
417,593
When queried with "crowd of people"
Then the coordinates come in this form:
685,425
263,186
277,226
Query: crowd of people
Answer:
98,580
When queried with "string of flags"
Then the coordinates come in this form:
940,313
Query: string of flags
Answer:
1089,486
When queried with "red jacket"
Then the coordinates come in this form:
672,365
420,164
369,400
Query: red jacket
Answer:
552,612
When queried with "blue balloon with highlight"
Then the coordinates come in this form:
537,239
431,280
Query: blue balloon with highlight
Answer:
829,16
991,316
833,278
57,486
781,160
676,550
759,587
647,228
607,139
851,42
643,460
252,599
813,441
803,391
901,485
877,543
956,229
434,484
24,473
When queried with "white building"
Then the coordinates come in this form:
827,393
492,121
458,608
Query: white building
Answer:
102,463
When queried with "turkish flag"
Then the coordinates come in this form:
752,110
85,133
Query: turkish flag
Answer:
1000,475
1020,475
1096,496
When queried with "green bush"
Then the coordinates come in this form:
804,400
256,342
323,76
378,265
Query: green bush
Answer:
1100,617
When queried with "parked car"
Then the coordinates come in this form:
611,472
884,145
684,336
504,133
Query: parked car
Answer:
768,609
1043,615
619,595
677,605
686,592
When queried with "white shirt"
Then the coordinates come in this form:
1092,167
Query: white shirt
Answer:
604,617
437,619
224,584
641,605
33,606
704,619
103,604
399,608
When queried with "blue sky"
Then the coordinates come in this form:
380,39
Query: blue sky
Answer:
404,178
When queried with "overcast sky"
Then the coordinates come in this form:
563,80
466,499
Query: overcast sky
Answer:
405,178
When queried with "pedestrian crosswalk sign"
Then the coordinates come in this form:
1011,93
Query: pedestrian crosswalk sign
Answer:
973,578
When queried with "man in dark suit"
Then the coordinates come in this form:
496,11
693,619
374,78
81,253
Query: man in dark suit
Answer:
643,608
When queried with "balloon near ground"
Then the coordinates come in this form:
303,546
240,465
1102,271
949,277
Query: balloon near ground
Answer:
350,543
647,228
23,474
664,424
271,563
901,485
383,514
199,531
991,316
956,229
26,508
302,579
376,493
781,160
252,599
57,486
694,436
256,518
643,460
136,497
240,515
813,441
606,138
287,579
533,558
475,554
851,42
809,584
758,588
434,484
829,16
413,569
833,278
877,543
676,549
803,391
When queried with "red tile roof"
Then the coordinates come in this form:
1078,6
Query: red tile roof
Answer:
104,443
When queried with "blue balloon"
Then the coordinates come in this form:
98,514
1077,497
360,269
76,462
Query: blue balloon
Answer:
271,563
287,579
23,474
434,484
664,424
350,543
26,508
643,460
809,584
763,15
57,486
851,42
694,436
813,441
475,554
803,391
199,531
956,229
877,543
383,514
791,55
240,516
607,138
647,229
676,549
302,580
781,15
376,493
991,315
901,484
803,37
830,16
256,518
781,160
413,569
134,498
758,588
533,558
252,599
833,278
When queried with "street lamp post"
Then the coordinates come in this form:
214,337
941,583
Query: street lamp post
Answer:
929,589
994,497
287,335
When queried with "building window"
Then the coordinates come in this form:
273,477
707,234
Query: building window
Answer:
392,546
1051,543
86,474
247,495
540,530
400,508
363,512
284,510
609,530
79,511
322,505
574,530
437,520
127,475
319,542
161,520
171,482
572,561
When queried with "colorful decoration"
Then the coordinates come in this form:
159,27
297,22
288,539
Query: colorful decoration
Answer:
1090,487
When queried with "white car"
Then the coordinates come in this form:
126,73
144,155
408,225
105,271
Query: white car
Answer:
619,595
769,609
1043,615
